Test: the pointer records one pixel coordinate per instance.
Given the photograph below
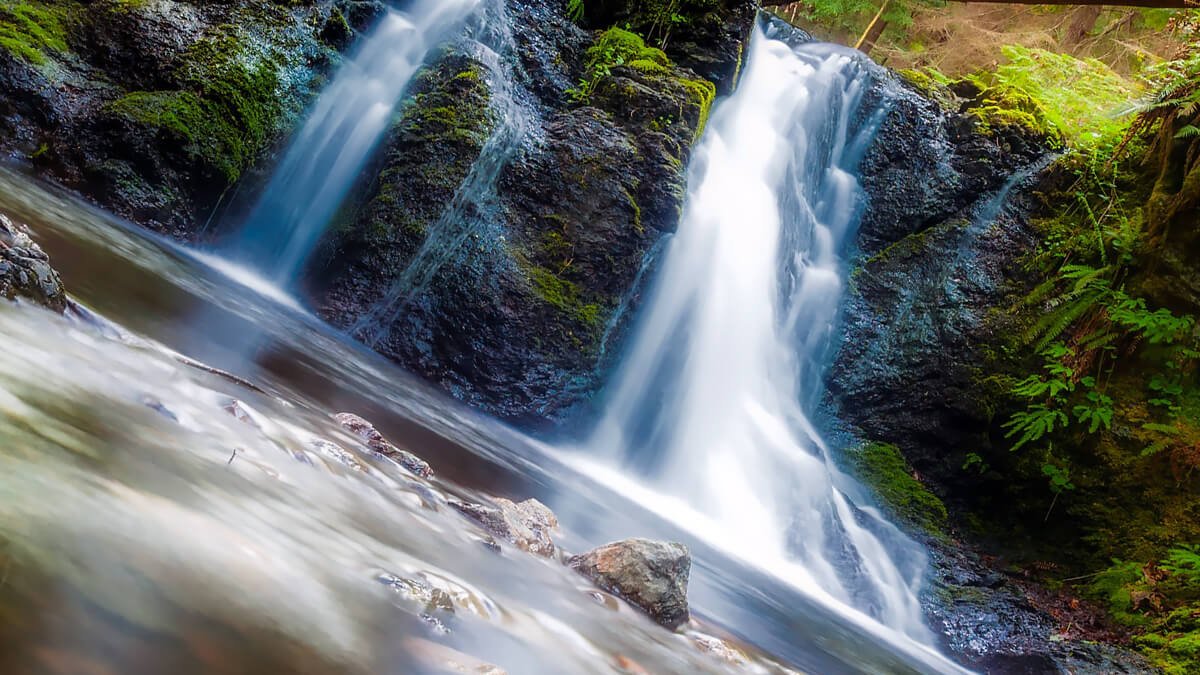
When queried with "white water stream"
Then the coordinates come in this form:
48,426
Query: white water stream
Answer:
714,400
349,120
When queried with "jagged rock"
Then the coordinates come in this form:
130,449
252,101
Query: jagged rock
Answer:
937,253
930,266
527,525
377,442
25,271
650,575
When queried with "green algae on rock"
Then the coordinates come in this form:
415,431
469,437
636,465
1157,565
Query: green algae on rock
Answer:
153,108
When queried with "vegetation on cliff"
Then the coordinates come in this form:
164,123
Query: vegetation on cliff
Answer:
1090,379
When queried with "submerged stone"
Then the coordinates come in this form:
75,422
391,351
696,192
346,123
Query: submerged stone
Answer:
377,442
650,575
527,525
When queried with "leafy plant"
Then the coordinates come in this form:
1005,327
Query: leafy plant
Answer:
1097,412
1184,563
975,461
1060,478
575,10
1033,424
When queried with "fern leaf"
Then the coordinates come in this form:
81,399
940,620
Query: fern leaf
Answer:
1189,131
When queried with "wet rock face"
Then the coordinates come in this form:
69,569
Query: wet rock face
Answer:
936,253
154,109
512,214
25,272
990,624
650,575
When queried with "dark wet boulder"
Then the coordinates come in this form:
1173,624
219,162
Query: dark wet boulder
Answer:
370,436
25,271
950,196
156,109
938,248
990,622
527,525
650,575
524,183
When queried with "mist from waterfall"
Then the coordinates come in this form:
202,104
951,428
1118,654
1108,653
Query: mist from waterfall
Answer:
714,400
349,119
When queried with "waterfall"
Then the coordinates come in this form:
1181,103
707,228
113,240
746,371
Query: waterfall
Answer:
473,214
714,400
348,121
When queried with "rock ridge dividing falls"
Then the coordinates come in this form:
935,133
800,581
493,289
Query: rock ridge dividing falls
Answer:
509,303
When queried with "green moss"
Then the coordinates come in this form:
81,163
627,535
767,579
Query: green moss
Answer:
29,30
637,212
617,46
1002,107
455,110
702,94
564,296
932,84
1080,99
226,110
882,467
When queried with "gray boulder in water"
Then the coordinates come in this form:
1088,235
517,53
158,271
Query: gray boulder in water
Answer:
25,271
650,575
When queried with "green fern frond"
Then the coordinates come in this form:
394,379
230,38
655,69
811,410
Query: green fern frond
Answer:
575,10
1189,131
1074,306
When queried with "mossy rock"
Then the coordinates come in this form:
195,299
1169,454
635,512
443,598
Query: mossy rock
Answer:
34,31
224,114
882,467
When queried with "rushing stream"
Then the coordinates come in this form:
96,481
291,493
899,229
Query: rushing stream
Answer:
344,127
143,525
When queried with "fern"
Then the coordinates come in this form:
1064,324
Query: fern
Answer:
1184,563
1063,312
1188,131
1033,424
575,10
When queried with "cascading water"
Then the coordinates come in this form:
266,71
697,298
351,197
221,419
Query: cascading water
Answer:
714,399
472,214
330,151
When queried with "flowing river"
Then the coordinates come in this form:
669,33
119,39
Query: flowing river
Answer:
145,528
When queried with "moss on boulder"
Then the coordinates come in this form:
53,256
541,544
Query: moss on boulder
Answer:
154,107
883,468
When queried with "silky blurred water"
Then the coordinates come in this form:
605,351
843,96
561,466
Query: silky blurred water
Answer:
145,528
136,540
347,122
712,405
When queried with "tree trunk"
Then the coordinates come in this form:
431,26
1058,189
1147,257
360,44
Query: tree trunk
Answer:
872,36
1083,19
